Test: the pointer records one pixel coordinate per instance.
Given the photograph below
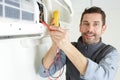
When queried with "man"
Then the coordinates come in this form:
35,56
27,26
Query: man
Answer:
87,59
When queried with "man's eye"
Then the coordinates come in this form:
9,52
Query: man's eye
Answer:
96,24
85,24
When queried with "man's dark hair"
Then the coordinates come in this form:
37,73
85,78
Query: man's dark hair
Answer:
95,9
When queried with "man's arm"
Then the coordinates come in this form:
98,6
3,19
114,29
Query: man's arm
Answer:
49,57
76,58
52,68
60,38
105,70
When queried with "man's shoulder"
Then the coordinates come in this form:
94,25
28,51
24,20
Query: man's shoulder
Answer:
109,47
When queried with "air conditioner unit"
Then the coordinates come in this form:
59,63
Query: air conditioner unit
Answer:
18,19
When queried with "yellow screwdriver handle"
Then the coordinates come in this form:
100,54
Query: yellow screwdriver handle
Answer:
56,18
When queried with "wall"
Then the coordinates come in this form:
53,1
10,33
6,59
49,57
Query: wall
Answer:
17,60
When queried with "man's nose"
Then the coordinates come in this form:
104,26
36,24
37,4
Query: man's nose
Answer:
90,28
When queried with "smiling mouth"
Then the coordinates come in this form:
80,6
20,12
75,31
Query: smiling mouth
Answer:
89,35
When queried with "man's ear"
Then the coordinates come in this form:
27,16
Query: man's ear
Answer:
104,28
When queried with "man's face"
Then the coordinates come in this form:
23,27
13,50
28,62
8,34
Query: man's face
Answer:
91,28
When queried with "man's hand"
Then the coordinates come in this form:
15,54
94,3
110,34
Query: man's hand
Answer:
59,37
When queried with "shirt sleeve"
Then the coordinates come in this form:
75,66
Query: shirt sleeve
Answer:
105,70
58,64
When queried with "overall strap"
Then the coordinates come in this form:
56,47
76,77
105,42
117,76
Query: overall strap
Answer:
102,52
74,43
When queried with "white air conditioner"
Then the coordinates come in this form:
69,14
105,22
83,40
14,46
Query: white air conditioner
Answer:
18,19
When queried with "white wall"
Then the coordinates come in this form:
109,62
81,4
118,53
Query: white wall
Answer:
16,60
